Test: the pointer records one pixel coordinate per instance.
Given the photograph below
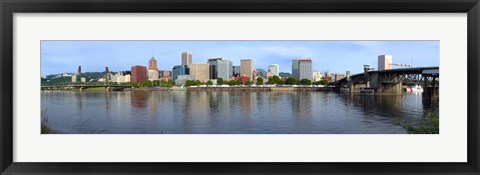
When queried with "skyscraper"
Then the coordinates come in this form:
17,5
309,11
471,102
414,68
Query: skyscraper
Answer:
295,73
180,70
384,62
186,58
199,71
302,68
305,69
246,68
152,69
225,69
213,62
236,71
139,74
273,69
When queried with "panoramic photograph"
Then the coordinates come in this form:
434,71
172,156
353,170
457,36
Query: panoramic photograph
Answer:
239,87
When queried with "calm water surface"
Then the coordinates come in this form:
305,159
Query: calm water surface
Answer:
191,112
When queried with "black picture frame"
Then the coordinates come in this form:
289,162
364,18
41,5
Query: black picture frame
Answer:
9,7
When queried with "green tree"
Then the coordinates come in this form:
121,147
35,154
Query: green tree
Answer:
277,80
219,81
238,82
291,81
189,83
248,82
324,82
270,80
209,82
147,83
305,82
259,81
198,82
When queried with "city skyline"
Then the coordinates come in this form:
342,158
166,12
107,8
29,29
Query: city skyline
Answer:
332,56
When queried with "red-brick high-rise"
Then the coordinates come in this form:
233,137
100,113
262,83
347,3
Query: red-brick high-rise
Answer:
139,74
152,64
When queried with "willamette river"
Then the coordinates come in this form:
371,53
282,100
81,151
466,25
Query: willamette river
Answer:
194,112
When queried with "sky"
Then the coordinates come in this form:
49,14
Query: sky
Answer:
327,56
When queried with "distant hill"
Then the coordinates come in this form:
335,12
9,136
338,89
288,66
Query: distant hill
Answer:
66,78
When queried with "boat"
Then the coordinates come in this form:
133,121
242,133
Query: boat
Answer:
414,88
178,88
367,91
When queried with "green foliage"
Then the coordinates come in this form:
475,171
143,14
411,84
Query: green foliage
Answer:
209,82
305,82
259,81
429,124
322,82
291,81
147,83
270,80
248,82
277,80
220,81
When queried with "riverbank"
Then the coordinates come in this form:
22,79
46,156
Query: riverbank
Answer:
260,88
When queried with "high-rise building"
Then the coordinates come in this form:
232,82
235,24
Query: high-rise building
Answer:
152,69
225,69
246,68
199,71
213,62
139,74
164,73
236,71
302,68
152,64
186,58
384,62
273,69
180,70
295,73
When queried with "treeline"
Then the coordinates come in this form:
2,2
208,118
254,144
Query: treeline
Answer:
154,83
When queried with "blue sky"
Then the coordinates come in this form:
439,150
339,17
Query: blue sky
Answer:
331,56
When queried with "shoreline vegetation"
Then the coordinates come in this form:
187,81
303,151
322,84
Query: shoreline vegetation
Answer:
429,124
47,126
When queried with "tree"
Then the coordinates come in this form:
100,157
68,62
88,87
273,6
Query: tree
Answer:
189,83
259,81
270,80
248,82
305,81
147,83
219,81
291,81
209,82
277,80
323,82
198,82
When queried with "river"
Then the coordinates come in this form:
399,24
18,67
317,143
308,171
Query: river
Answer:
198,112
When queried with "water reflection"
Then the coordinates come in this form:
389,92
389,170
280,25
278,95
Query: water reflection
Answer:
234,112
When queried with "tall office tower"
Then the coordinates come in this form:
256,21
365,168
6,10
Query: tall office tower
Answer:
200,71
236,71
106,75
213,62
305,69
152,69
273,69
138,74
186,58
180,70
295,73
246,68
384,62
225,69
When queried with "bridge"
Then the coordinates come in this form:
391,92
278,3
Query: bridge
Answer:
82,87
389,82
